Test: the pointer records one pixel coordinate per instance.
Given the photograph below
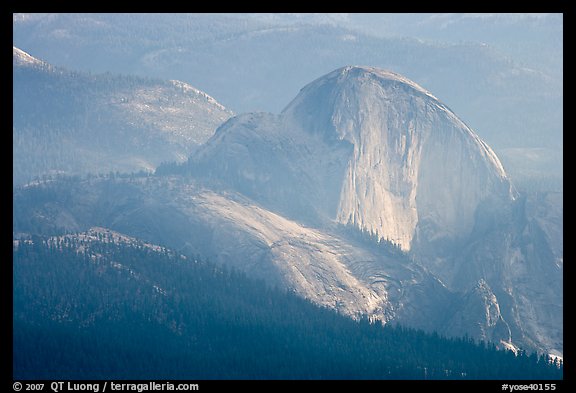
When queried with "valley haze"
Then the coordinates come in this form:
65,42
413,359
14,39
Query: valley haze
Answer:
367,194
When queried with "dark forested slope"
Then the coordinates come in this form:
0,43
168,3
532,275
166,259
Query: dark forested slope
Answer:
99,305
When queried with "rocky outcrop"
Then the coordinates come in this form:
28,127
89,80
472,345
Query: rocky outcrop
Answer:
414,164
366,147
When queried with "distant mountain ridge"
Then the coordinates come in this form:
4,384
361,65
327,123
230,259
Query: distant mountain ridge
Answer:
77,123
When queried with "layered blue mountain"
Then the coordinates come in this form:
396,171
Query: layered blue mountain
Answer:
366,195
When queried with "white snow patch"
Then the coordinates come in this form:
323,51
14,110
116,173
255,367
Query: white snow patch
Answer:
22,58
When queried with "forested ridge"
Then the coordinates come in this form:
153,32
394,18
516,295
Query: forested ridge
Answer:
111,309
75,122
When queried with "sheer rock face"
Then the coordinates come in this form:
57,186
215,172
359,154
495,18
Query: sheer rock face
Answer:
367,147
414,162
